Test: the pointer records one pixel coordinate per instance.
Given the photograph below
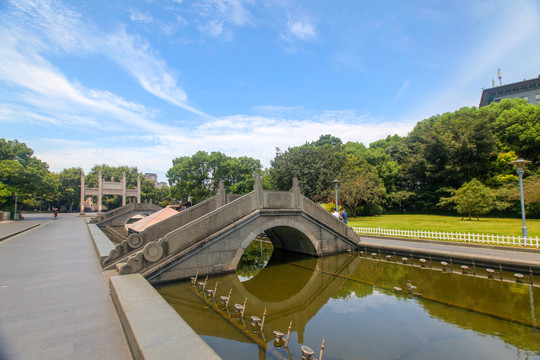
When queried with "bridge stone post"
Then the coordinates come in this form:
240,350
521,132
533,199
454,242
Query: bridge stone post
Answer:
123,188
257,186
82,193
221,193
100,192
138,189
296,193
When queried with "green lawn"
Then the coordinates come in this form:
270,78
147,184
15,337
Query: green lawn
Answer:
496,226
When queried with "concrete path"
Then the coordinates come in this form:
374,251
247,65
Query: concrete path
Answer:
11,228
54,300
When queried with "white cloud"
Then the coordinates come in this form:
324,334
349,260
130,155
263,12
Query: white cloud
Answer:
302,30
255,136
403,88
37,28
139,16
216,14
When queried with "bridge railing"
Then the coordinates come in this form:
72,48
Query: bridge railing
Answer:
488,239
137,241
192,233
318,213
123,210
210,223
112,213
162,228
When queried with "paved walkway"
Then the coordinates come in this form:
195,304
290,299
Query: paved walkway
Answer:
525,257
54,300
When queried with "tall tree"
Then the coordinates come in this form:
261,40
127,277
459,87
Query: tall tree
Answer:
315,166
23,173
359,184
198,176
70,187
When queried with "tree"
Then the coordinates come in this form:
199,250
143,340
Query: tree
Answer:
360,184
198,176
446,151
70,187
315,166
22,173
158,195
472,199
517,125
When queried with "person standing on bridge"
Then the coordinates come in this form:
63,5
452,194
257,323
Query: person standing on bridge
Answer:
344,216
336,214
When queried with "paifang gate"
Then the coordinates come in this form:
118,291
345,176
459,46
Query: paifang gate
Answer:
109,188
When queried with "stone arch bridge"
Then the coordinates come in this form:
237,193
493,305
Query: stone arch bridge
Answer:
210,238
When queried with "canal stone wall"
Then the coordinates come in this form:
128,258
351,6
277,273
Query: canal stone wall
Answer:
153,329
215,242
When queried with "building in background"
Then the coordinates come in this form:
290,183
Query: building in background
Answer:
527,89
154,178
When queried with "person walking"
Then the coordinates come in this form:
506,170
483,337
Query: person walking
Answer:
344,216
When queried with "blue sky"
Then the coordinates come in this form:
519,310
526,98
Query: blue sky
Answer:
141,82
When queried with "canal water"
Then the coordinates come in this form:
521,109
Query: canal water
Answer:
361,306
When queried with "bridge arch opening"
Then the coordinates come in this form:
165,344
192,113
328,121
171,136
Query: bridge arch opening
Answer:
255,258
278,244
291,239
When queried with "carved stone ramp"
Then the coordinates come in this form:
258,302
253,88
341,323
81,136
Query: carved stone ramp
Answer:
119,216
215,242
137,241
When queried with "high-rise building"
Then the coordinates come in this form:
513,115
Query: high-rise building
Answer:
527,89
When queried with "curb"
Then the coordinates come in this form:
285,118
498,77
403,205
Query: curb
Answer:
19,232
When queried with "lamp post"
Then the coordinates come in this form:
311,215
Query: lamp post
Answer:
520,169
16,214
336,182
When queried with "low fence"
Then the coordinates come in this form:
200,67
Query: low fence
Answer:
452,236
5,215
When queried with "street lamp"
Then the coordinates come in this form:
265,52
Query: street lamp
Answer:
520,169
16,214
336,181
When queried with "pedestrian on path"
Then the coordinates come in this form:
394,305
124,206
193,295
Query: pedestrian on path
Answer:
336,214
344,216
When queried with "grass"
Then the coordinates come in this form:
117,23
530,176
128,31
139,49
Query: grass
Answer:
495,226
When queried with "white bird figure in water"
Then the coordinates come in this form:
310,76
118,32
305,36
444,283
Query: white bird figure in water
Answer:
410,286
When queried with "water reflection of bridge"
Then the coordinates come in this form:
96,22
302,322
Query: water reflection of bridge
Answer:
303,291
476,303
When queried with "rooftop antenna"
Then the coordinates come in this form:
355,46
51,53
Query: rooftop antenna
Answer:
499,75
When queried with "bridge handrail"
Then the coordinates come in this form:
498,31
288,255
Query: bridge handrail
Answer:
210,223
314,210
191,233
155,231
111,213
136,242
123,210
